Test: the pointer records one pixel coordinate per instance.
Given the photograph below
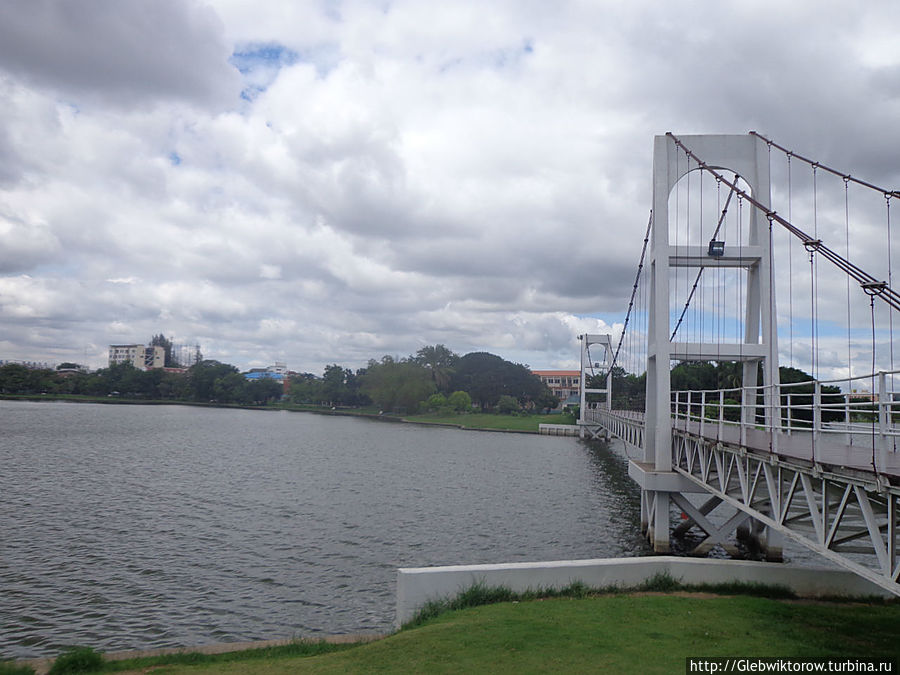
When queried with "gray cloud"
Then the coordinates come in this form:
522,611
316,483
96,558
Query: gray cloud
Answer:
127,52
393,178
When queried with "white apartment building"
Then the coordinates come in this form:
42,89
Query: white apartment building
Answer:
140,356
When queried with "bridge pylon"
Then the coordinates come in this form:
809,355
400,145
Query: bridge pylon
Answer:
746,156
589,427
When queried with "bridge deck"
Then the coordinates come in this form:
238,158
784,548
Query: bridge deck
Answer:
836,450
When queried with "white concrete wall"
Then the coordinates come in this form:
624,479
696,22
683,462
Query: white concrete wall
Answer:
418,585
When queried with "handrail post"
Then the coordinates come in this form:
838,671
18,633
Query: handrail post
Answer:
721,413
744,415
702,412
849,434
690,409
787,411
674,405
775,415
882,417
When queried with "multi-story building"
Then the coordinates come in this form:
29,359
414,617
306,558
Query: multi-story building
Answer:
278,372
563,383
140,356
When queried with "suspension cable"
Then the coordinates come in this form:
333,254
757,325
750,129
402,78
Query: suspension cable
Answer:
700,271
887,201
885,293
847,237
634,289
791,264
849,323
815,263
872,290
846,176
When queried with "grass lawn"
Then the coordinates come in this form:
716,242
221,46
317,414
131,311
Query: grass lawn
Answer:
493,421
644,633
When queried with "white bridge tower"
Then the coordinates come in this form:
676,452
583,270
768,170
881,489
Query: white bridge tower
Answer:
745,155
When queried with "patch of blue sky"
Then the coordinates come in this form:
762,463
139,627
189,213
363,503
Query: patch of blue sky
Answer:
505,57
802,327
254,57
174,158
260,64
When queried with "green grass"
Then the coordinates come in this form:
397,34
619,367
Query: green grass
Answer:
529,423
580,631
77,660
10,668
613,633
297,649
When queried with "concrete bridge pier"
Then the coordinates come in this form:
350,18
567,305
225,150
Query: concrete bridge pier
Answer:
655,519
766,540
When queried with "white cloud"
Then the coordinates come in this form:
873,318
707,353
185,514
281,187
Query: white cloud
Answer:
394,175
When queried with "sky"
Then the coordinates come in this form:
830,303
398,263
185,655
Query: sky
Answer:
329,182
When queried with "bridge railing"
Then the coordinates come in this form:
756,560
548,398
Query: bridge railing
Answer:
822,407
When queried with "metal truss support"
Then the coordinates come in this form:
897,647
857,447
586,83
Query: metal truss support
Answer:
848,518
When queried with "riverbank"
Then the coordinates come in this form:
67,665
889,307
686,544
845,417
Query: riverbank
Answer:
640,632
467,421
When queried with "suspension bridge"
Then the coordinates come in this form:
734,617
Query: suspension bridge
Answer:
762,443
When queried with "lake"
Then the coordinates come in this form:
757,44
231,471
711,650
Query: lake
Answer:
135,527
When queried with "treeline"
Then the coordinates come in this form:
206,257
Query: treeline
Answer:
434,379
205,381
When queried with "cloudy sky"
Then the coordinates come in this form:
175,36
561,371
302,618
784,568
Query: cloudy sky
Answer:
326,181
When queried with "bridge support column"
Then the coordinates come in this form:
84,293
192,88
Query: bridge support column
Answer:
660,538
769,541
655,519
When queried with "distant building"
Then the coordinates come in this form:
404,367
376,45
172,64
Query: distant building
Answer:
140,356
278,372
563,383
31,365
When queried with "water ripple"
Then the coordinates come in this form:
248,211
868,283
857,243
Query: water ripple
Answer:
130,527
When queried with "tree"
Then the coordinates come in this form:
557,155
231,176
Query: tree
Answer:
202,377
14,379
231,388
506,405
460,401
436,402
306,388
801,396
162,341
629,391
398,386
487,377
264,389
440,361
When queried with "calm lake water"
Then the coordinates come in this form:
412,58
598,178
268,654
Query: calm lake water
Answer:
131,527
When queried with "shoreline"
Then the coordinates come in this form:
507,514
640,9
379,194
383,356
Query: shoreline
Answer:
42,664
335,412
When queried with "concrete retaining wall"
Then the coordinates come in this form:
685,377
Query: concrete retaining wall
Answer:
418,585
559,430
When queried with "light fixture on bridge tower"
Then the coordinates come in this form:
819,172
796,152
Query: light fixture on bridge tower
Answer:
716,248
